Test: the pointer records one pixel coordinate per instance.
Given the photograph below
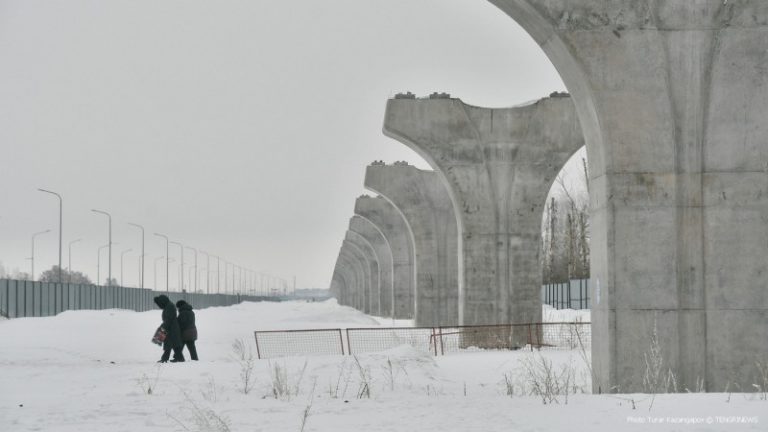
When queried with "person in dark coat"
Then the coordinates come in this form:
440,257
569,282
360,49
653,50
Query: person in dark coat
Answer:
171,326
187,325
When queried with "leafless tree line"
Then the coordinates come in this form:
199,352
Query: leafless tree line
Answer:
565,231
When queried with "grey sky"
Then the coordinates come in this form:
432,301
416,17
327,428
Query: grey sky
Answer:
242,128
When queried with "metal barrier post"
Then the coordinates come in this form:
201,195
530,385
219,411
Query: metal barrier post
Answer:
258,351
341,341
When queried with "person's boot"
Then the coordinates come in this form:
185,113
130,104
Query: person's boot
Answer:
178,356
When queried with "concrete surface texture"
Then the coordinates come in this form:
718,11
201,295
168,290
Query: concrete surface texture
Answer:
371,295
499,165
391,223
357,261
423,200
383,252
344,283
671,96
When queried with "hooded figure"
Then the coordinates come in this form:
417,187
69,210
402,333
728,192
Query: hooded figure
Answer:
187,326
171,326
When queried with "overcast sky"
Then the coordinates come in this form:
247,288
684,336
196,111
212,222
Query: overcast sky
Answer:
241,128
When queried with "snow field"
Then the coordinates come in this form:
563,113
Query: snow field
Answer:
92,370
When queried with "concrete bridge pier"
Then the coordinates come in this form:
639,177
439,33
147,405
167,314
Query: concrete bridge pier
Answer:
499,165
423,200
363,272
383,253
366,250
352,272
390,222
671,96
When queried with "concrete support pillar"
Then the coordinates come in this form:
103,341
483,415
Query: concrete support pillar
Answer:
354,269
388,219
499,165
423,200
672,97
371,293
348,275
383,303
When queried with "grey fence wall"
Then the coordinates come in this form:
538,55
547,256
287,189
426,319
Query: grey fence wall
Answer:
39,299
573,294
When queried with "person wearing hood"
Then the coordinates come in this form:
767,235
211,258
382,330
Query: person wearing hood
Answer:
171,326
187,326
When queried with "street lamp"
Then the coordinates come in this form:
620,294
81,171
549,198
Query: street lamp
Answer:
32,258
142,250
218,274
98,262
190,279
154,273
60,226
181,265
226,276
69,266
167,262
155,268
207,272
122,258
109,278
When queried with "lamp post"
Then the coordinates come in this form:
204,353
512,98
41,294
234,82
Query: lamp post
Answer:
60,227
181,265
154,273
207,272
109,277
122,259
32,258
69,266
142,251
218,274
98,262
226,274
167,261
190,279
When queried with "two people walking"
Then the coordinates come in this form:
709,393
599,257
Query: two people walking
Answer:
179,330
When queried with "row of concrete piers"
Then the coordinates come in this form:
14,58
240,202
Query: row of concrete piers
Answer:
669,98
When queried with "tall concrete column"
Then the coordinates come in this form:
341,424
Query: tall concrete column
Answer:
347,274
672,96
388,219
354,267
383,252
368,256
499,165
423,200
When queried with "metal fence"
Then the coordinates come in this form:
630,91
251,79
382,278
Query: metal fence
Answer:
434,340
573,294
376,339
286,343
20,299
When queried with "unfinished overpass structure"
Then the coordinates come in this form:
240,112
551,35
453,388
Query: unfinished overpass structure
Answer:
420,196
498,166
671,96
389,221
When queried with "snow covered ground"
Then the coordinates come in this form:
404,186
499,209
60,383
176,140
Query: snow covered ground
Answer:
93,370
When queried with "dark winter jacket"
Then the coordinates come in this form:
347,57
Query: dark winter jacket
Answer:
186,321
171,326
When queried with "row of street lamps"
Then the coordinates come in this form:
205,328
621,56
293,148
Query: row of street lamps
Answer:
247,284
